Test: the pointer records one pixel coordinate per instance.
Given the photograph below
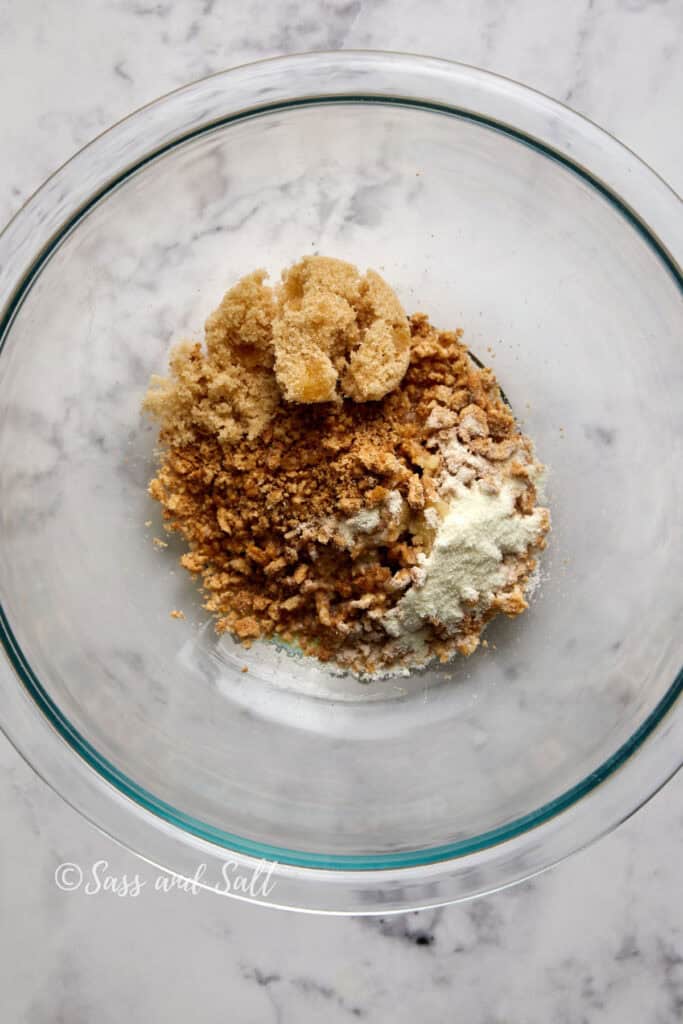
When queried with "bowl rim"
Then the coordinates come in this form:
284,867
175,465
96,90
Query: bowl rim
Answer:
103,794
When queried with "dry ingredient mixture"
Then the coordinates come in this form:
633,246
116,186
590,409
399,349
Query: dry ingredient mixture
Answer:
345,477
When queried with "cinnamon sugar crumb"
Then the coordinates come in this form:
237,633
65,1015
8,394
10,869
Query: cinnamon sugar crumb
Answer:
176,614
308,452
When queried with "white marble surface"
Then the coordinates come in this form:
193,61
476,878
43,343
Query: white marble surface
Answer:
598,939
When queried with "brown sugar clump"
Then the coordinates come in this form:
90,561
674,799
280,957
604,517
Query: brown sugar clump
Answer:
229,391
309,519
335,327
378,363
324,324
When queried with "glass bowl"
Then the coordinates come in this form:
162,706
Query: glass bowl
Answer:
491,208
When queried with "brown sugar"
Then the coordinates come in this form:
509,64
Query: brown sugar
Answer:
334,327
302,459
228,391
324,325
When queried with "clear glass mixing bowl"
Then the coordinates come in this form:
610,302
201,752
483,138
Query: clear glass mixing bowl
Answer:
488,206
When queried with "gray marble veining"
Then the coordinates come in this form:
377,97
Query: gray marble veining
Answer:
597,939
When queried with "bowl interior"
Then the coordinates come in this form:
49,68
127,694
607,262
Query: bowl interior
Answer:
555,286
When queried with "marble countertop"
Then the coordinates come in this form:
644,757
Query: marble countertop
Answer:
597,939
